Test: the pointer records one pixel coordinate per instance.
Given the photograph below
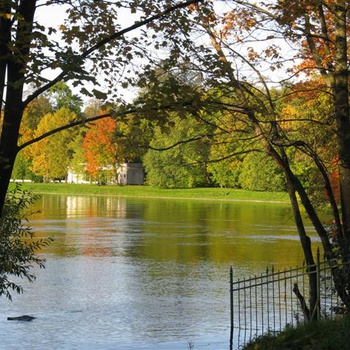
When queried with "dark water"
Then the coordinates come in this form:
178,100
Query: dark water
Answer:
143,274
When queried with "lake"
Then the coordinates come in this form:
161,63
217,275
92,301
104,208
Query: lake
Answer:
131,273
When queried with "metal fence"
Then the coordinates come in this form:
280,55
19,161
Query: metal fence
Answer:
267,303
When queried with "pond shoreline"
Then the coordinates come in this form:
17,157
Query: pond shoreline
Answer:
200,194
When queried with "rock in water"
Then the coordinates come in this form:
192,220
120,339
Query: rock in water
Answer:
21,318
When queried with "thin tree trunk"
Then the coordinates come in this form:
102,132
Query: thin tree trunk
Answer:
306,246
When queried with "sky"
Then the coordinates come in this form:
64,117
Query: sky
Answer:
54,16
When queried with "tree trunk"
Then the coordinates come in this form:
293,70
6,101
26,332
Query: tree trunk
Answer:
16,64
341,101
306,245
9,136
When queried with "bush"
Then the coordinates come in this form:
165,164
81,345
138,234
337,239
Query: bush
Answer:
17,242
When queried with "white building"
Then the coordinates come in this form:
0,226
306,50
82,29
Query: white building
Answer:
76,178
126,174
130,174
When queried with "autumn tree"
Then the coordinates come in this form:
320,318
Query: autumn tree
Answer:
57,97
100,150
51,156
303,102
257,54
33,114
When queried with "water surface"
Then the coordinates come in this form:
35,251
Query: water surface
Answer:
127,273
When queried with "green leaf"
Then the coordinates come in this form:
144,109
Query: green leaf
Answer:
99,94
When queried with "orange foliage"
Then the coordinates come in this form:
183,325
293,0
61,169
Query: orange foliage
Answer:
309,90
99,147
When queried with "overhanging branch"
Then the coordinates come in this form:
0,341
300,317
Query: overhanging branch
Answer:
61,128
112,114
107,40
192,139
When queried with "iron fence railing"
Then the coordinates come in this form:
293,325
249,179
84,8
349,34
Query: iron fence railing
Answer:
267,302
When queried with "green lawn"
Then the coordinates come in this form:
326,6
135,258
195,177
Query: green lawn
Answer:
152,192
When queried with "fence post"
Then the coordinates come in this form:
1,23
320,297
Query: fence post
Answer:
231,305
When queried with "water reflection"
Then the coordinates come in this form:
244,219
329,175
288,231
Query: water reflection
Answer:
183,231
146,273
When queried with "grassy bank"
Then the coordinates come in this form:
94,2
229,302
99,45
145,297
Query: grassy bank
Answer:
151,192
322,335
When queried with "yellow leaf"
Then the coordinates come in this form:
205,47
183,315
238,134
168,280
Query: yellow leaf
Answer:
6,15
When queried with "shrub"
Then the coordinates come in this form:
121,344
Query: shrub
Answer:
17,242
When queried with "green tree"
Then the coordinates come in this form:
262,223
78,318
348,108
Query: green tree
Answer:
132,137
183,166
62,96
77,163
260,173
227,148
22,169
225,172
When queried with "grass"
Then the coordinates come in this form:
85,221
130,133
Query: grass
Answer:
321,335
152,192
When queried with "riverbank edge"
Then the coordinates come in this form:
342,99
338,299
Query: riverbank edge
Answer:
326,334
199,194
